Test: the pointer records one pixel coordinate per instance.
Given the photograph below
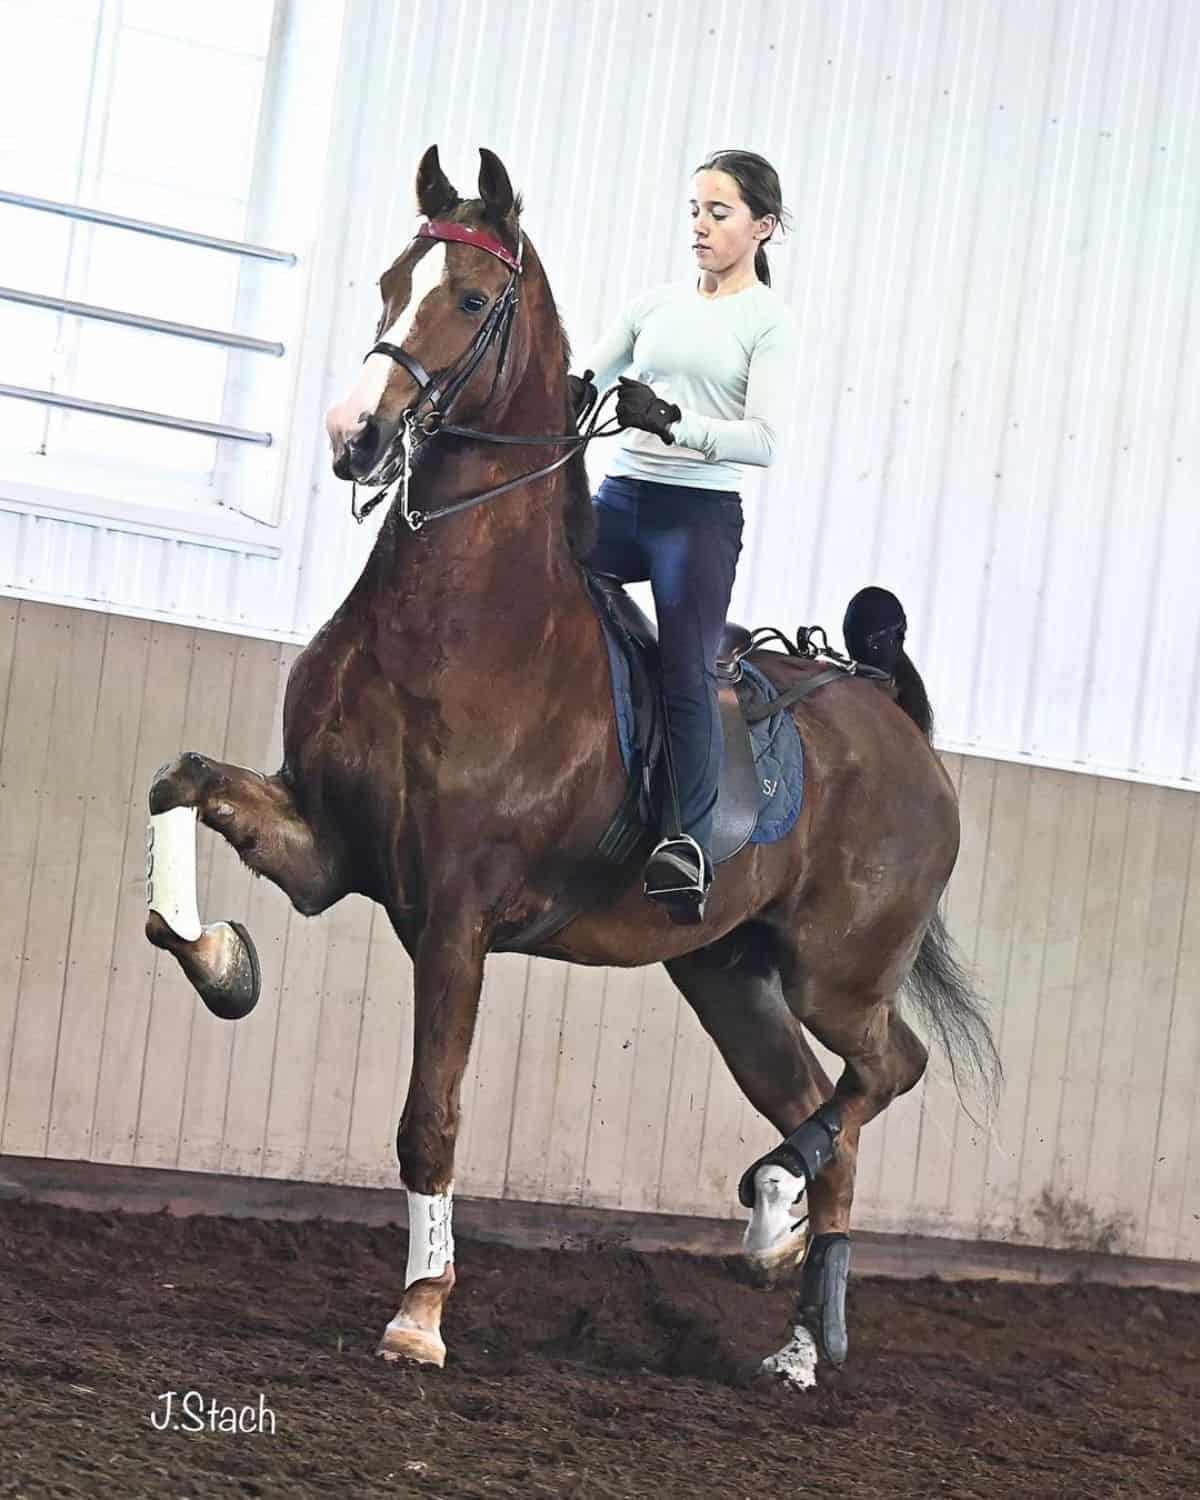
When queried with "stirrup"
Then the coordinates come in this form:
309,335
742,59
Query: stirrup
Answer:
677,877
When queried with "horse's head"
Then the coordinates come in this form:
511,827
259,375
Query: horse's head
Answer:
443,337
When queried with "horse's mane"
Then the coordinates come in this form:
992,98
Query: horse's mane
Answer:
578,515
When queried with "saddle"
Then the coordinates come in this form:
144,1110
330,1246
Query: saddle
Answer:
762,770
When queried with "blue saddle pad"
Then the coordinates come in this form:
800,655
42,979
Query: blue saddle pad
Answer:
778,751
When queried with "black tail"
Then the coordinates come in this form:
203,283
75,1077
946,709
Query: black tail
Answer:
911,694
942,988
874,629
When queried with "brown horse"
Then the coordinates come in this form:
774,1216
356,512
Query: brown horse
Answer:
450,752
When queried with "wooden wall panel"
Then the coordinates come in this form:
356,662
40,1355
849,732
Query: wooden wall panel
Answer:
1076,899
75,655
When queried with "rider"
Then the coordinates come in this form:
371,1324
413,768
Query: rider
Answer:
714,359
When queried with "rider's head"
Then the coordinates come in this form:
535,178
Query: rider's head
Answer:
435,297
737,205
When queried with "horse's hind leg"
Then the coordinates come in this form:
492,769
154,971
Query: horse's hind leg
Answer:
735,989
257,814
883,1059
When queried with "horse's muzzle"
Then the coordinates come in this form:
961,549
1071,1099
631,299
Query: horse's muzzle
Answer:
361,453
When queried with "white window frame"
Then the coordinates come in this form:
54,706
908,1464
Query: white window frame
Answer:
289,158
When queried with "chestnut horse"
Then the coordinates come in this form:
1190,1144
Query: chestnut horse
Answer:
450,751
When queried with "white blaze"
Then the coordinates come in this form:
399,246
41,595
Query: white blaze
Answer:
430,1235
347,418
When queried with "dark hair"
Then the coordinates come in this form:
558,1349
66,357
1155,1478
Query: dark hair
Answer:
758,182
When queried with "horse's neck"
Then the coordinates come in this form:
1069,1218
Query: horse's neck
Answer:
490,579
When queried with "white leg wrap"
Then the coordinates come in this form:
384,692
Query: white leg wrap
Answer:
430,1235
775,1232
171,870
796,1362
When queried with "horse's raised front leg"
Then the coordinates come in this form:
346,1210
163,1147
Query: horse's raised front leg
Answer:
447,979
257,814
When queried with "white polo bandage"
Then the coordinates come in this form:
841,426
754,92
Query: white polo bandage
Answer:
171,871
430,1235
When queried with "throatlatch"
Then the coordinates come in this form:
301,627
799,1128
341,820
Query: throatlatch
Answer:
803,1153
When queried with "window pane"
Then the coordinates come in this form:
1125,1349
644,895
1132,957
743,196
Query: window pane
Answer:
183,115
42,114
232,25
155,373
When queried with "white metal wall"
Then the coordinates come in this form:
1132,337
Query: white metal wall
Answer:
994,260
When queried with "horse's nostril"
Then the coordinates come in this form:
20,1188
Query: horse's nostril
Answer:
360,453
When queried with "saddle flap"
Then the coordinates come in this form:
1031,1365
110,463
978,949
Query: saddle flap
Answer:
738,797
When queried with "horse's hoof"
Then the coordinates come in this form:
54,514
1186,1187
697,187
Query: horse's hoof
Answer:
771,1267
235,992
796,1363
776,1237
417,1345
221,964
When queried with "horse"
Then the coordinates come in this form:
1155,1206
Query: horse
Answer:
450,752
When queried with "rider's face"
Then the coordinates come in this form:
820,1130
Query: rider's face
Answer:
724,231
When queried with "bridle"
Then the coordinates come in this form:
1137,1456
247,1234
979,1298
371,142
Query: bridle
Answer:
436,395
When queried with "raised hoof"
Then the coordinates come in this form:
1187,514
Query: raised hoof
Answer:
796,1363
417,1345
769,1268
776,1237
221,965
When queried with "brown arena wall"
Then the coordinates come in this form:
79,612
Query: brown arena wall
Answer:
1077,897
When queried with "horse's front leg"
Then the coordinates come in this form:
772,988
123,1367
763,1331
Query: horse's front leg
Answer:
447,978
257,814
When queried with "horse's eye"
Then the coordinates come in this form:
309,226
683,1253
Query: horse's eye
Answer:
473,302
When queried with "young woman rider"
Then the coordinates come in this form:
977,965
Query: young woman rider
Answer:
708,373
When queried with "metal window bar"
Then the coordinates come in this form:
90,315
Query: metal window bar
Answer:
135,320
135,414
142,226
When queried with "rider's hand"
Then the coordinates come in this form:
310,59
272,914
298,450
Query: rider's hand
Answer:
638,406
581,391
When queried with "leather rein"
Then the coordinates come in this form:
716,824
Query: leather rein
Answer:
436,395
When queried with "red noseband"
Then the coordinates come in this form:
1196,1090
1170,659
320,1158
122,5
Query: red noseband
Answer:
463,234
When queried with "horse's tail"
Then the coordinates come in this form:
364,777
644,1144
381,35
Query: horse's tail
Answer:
939,981
942,989
874,628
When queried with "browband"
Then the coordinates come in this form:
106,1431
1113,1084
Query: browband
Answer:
464,234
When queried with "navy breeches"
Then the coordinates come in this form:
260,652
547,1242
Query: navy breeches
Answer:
686,543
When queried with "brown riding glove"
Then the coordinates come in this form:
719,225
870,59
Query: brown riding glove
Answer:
638,406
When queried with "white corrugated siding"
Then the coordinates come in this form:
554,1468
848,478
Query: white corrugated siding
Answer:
994,260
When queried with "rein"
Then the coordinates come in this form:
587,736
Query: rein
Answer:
440,394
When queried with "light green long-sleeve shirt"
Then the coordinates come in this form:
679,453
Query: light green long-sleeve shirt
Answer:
728,363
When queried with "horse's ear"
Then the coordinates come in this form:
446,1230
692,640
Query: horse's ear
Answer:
436,194
500,203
